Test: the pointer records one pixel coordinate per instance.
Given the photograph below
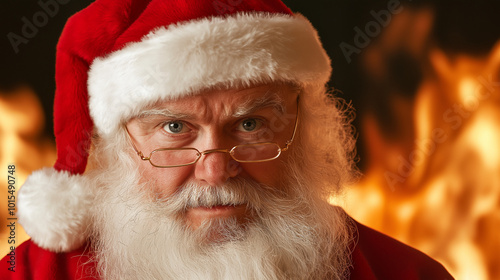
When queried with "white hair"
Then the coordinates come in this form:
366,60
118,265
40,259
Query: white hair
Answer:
327,138
295,233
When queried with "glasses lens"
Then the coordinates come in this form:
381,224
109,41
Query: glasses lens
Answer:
173,157
256,152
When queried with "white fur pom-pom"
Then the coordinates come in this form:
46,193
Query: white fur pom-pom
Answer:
53,207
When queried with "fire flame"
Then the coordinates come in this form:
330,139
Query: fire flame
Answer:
21,144
441,192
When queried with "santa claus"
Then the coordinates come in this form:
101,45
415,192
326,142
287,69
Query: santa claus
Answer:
196,140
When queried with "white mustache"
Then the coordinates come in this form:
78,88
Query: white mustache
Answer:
214,196
232,193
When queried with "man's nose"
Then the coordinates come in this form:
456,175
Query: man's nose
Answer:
215,167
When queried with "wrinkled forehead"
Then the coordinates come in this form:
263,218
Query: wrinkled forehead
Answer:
234,102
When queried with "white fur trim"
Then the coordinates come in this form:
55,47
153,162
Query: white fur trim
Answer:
186,58
53,207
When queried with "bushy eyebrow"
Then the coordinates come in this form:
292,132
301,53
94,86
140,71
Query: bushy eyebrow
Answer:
161,112
149,118
272,100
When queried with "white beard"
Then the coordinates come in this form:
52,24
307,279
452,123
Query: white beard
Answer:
292,236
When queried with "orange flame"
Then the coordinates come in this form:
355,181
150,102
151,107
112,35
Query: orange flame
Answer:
441,193
22,145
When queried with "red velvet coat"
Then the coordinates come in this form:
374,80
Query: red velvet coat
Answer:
376,256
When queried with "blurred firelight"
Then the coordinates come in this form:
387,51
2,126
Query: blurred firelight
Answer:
23,145
438,189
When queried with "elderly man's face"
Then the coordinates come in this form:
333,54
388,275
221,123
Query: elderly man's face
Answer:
218,119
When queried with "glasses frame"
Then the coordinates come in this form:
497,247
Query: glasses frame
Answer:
229,151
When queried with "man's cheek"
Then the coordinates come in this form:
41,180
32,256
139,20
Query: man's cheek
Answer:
164,181
268,173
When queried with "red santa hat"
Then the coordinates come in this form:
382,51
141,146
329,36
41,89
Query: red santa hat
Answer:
116,57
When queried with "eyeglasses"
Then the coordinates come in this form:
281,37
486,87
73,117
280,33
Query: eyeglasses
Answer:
254,152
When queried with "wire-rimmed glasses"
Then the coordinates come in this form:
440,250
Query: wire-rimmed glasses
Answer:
253,152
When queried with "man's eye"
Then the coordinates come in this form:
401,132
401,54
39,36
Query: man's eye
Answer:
250,125
175,127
